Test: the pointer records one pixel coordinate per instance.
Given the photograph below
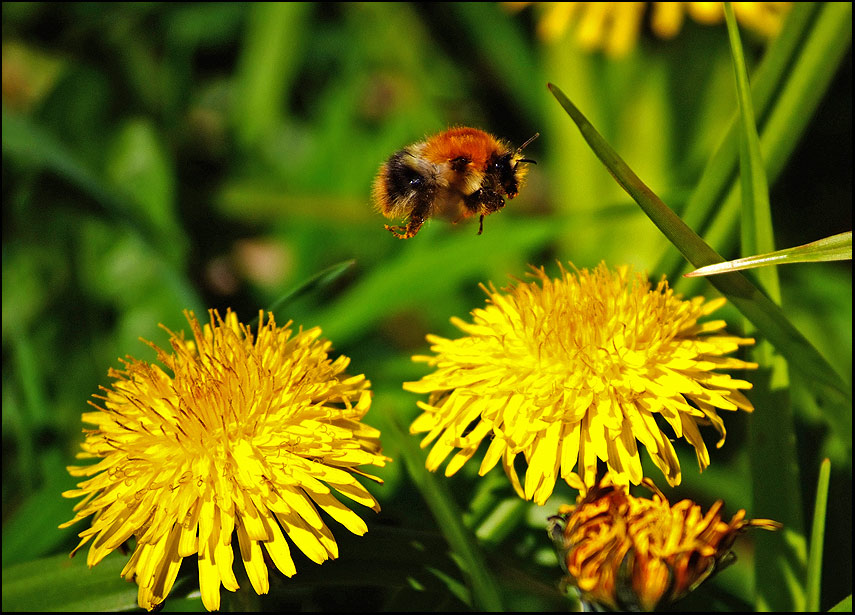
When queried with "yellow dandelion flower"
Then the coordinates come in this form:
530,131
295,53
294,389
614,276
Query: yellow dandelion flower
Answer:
576,369
628,553
614,27
252,435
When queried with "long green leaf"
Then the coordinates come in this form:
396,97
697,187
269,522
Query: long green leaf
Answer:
817,537
756,228
30,145
485,592
772,451
844,606
791,81
834,248
748,299
410,280
31,530
811,74
320,279
268,66
720,173
61,584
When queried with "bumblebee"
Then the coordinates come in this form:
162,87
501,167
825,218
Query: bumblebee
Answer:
456,174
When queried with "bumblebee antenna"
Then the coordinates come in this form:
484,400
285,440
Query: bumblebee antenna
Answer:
524,145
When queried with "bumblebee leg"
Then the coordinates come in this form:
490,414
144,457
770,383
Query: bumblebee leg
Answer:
397,231
484,202
405,232
417,217
493,201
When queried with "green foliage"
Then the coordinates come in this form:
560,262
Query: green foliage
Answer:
835,248
160,157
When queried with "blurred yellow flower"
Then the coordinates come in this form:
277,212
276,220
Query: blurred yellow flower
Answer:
577,369
628,553
249,434
614,27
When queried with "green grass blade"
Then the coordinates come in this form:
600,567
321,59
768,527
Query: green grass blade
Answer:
748,299
719,175
410,280
692,247
772,446
31,531
756,228
319,280
817,536
812,71
844,606
60,583
834,248
780,558
485,591
32,146
268,66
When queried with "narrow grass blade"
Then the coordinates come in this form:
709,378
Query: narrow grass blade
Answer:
778,567
319,280
748,299
817,537
485,592
756,227
410,281
844,606
58,583
801,81
29,144
810,76
720,173
268,66
834,248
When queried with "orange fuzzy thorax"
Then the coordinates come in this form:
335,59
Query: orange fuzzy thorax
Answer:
474,144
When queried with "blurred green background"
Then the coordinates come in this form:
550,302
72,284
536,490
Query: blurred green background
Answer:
159,157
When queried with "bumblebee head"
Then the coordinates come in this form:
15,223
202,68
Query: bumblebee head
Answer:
508,171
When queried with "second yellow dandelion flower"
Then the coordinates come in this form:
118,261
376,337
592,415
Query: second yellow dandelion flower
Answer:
570,370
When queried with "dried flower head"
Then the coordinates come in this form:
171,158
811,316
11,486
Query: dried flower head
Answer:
250,434
629,553
576,369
